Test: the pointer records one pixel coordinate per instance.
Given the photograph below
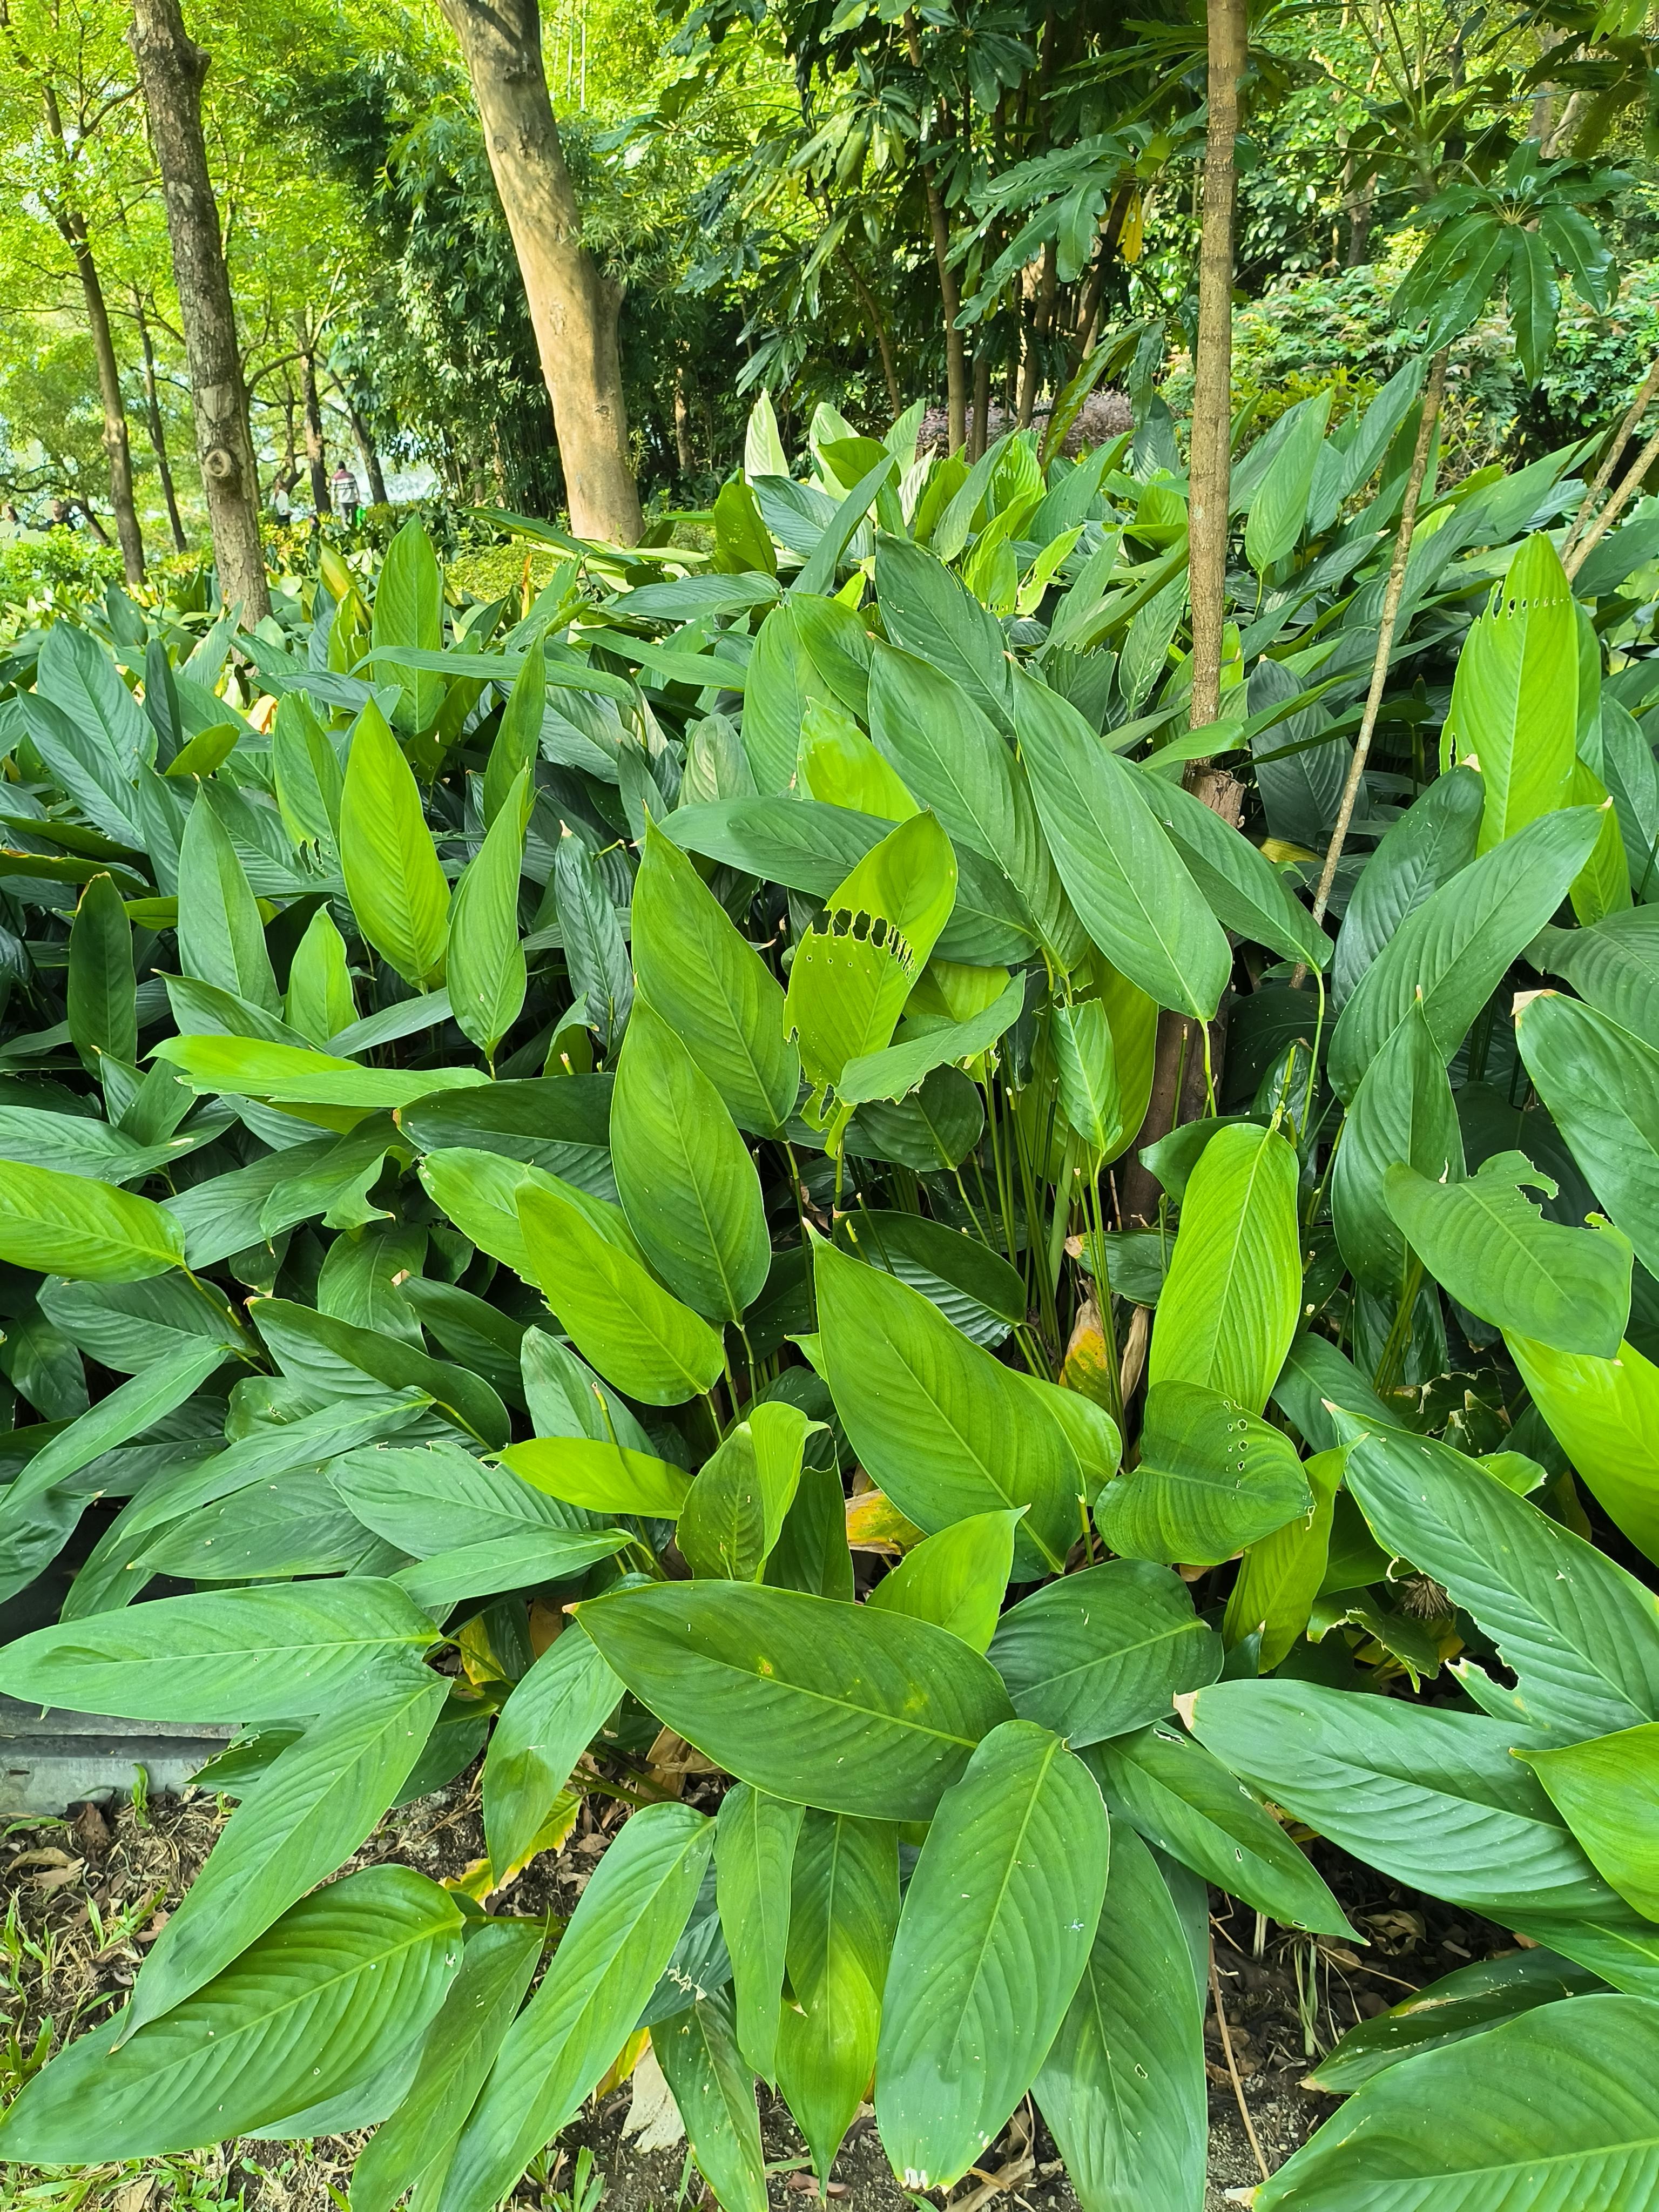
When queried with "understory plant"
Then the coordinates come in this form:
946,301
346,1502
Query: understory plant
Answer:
569,1179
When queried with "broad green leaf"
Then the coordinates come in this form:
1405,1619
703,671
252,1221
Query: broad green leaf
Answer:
316,2004
332,1360
487,971
305,771
566,1398
394,877
249,1066
1605,1415
1581,1633
1240,885
142,1328
851,1710
1281,1573
844,1910
1614,964
318,1002
1279,503
1450,2010
1104,1651
308,1813
1233,1293
246,1655
1455,947
932,615
856,966
99,784
64,1225
600,1476
957,1578
101,1002
458,2052
1602,886
479,1192
436,1496
713,989
1434,1799
689,1189
122,1414
714,2089
409,611
755,1840
549,1719
1489,1247
519,734
1550,2109
1608,1790
594,954
1402,1111
1601,1086
972,1286
620,1938
77,673
506,1563
361,1278
1431,841
1213,1476
812,1553
800,842
263,1534
1129,884
942,1427
221,939
559,1123
1187,1803
1514,709
839,765
1122,2087
955,762
1005,1896
638,1335
733,1513
901,1068
1085,1064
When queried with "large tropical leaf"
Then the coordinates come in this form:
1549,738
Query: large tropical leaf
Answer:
1601,1086
755,1842
1211,1479
1515,702
850,1710
65,1225
1004,1896
1103,1651
318,2004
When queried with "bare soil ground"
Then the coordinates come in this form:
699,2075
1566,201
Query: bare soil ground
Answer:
84,1897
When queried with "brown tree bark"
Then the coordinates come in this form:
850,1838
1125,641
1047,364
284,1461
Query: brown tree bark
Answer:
1042,319
158,442
1209,465
171,68
312,410
574,306
879,330
369,452
117,446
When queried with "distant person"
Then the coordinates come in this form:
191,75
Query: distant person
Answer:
343,487
59,516
281,505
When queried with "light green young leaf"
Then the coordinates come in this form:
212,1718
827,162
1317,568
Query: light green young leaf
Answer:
1402,1111
957,1578
64,1225
394,877
1233,1296
1085,1063
319,1003
1515,701
734,1512
519,734
1213,1476
305,771
549,1719
487,972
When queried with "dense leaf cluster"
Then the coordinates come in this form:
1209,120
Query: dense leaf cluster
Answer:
572,1176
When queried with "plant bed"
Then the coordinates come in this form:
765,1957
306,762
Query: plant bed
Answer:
581,1196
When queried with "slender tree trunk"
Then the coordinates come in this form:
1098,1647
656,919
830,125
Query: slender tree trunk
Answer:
171,68
573,306
368,451
93,523
117,447
879,330
1213,368
157,432
316,451
978,430
950,292
1179,1088
1042,316
682,452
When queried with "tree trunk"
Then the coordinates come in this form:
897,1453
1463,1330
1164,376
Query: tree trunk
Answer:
950,292
316,451
879,330
1208,473
979,432
1179,1090
1042,316
117,446
157,433
682,452
368,451
573,306
171,68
